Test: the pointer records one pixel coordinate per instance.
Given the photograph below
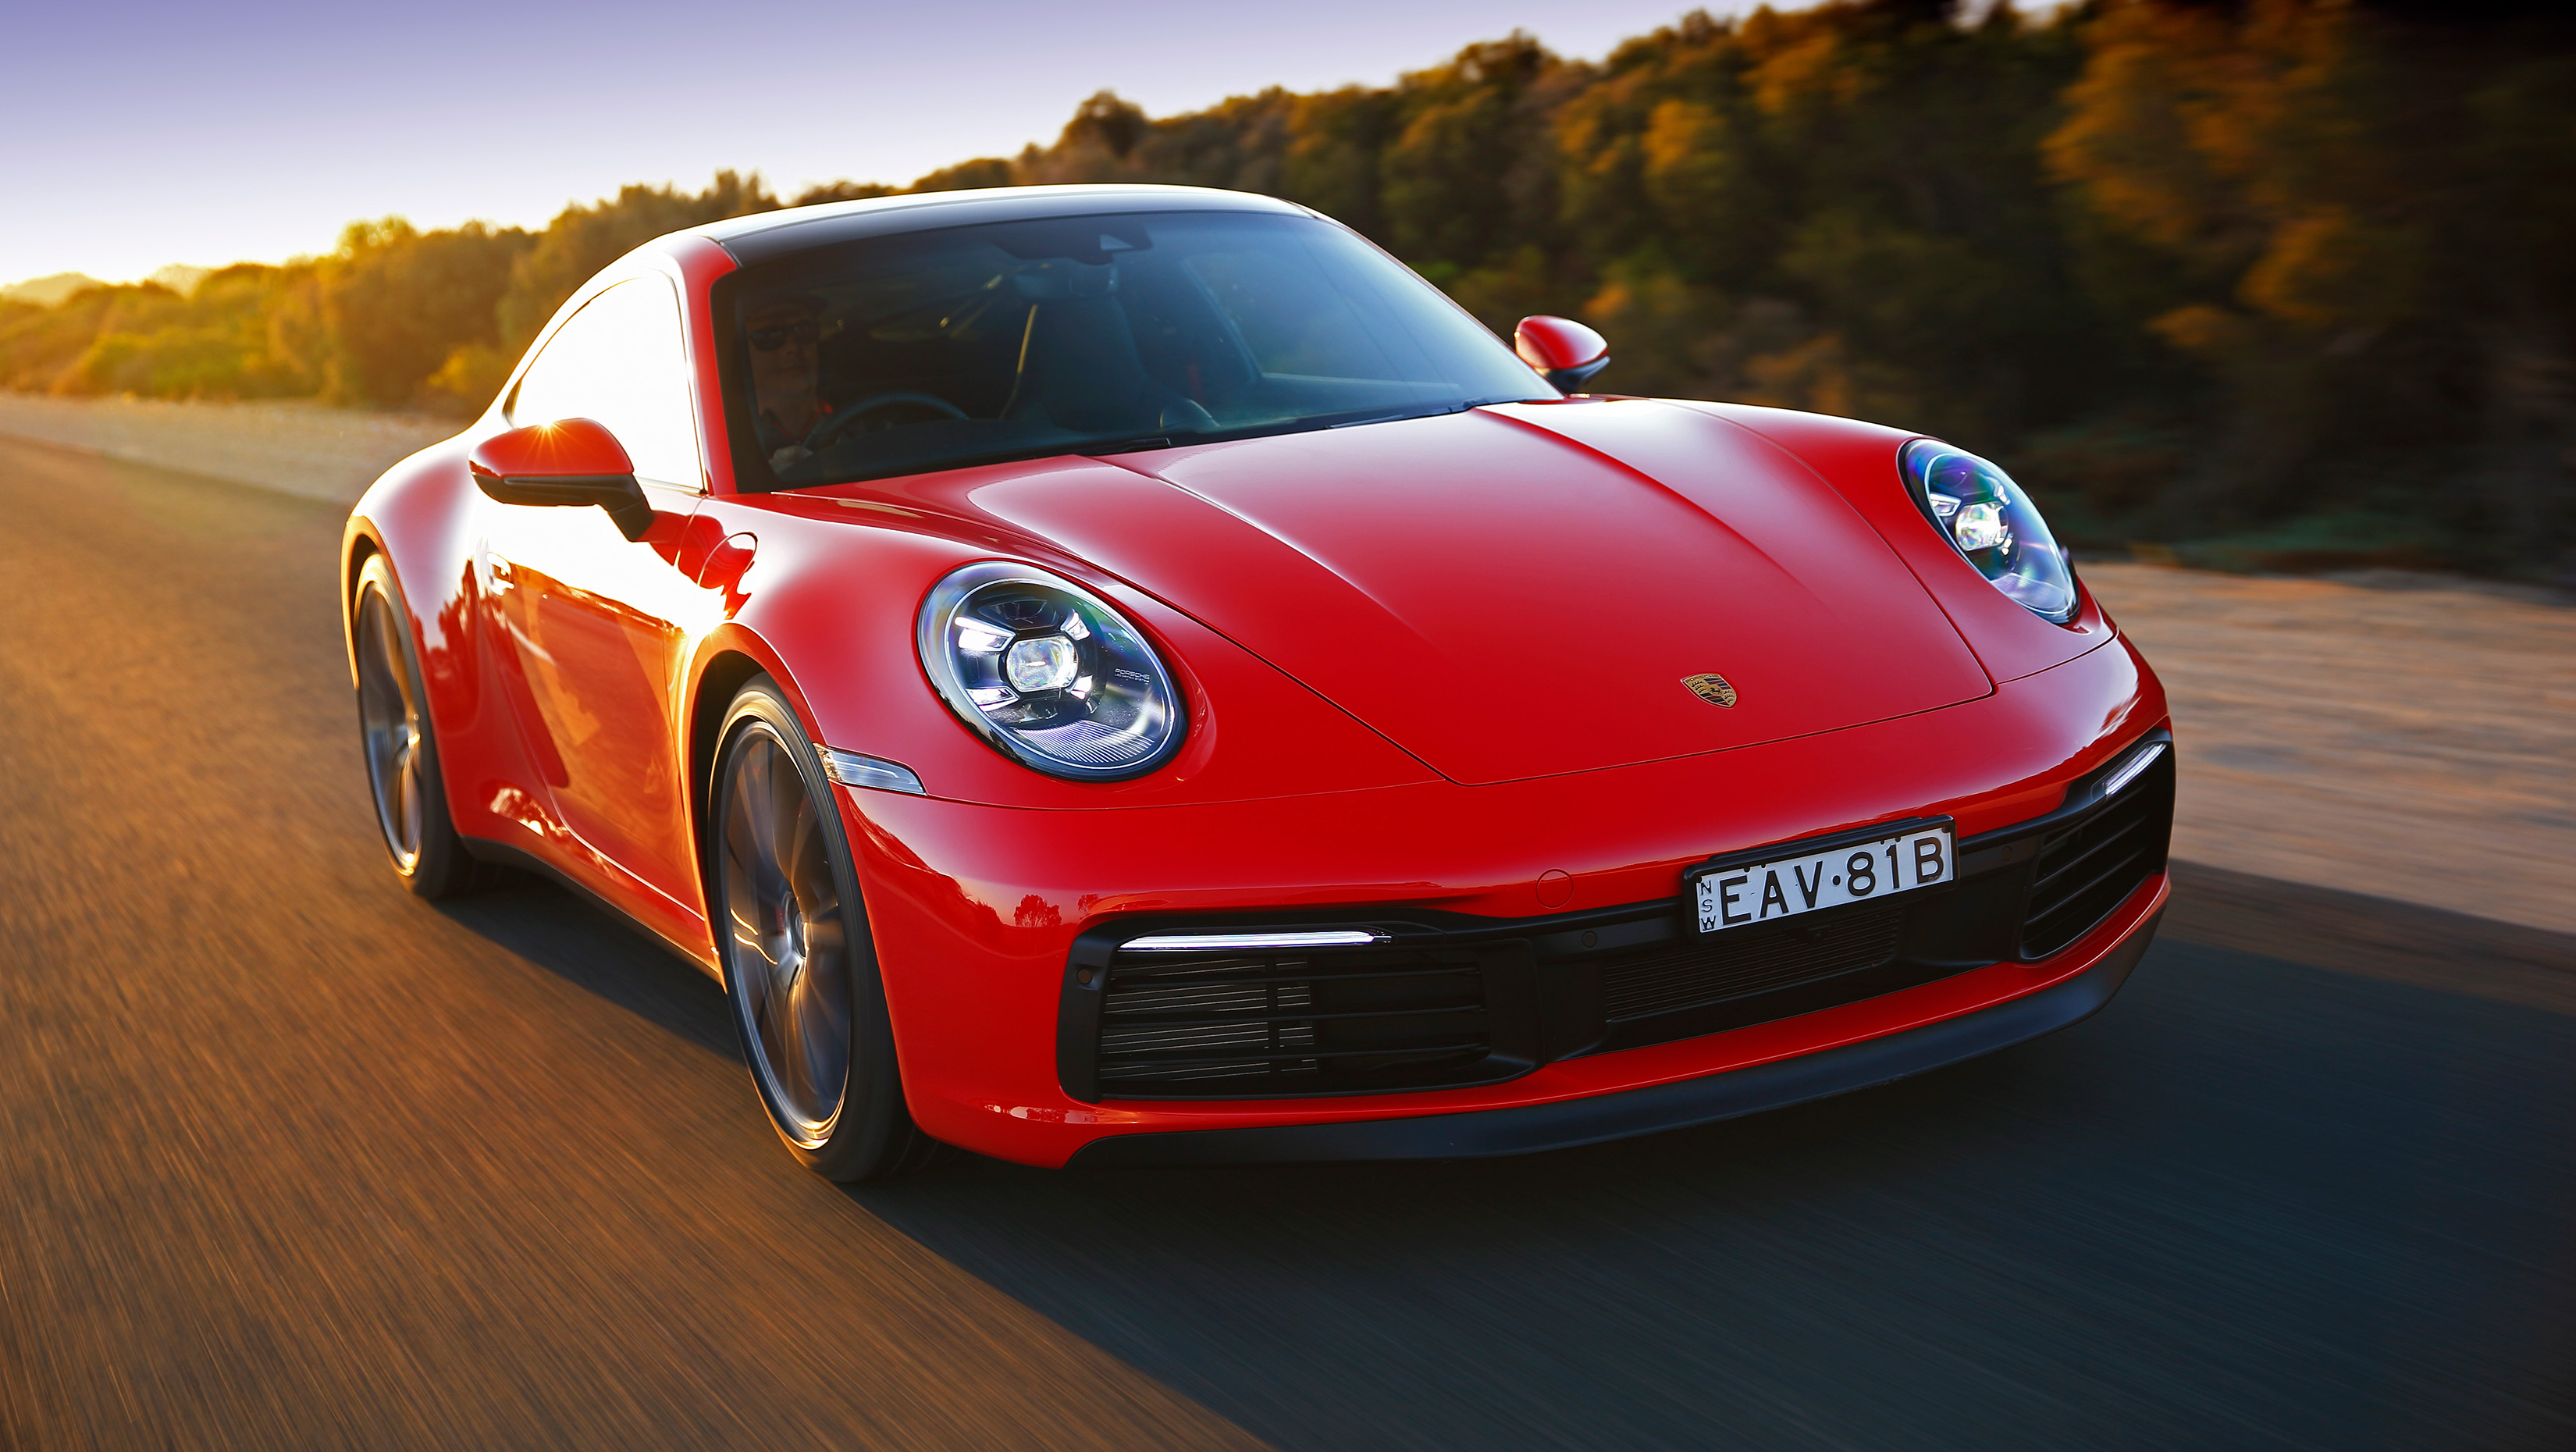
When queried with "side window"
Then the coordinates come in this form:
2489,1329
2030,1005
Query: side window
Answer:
620,361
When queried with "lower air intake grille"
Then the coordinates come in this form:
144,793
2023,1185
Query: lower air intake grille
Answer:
2090,867
1693,974
1339,1023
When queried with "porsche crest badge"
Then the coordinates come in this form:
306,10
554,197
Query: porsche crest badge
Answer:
1712,688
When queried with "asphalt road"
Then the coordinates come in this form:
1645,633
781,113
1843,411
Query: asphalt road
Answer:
291,1159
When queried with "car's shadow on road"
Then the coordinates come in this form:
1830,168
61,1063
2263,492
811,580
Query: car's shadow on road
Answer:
2247,1196
600,953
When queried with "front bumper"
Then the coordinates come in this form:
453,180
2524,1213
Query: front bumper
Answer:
1565,1123
976,910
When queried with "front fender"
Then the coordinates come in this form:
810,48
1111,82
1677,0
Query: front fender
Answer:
420,516
827,604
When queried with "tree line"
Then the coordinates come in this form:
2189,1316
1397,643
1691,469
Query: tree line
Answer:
2274,281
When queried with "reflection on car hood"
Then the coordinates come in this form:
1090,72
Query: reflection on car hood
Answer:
1524,590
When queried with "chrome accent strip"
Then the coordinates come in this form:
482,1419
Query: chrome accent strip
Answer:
1223,942
851,769
2138,762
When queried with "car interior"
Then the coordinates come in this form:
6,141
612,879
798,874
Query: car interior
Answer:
1098,333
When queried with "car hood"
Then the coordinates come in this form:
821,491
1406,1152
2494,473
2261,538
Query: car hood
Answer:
1526,590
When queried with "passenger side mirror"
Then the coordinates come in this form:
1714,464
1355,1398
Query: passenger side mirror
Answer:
570,462
1562,350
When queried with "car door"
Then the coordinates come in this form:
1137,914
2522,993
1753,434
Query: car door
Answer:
593,624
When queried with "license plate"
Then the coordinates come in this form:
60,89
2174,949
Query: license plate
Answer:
1794,878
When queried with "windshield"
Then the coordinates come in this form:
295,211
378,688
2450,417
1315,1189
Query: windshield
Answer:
1088,335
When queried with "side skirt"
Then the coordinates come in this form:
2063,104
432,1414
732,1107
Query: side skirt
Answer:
503,854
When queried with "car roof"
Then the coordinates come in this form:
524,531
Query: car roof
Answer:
764,235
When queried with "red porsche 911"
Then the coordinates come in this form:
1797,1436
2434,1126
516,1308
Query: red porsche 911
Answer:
1133,675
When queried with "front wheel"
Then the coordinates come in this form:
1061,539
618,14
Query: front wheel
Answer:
402,753
799,965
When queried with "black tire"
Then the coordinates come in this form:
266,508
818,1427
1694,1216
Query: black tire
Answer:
400,746
800,967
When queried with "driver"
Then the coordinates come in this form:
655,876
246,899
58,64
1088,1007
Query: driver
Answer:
786,374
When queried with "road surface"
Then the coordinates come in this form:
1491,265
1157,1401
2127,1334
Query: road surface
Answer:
291,1159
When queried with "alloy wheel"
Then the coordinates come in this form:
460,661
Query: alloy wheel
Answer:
786,936
389,718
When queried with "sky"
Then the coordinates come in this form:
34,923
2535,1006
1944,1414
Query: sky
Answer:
140,133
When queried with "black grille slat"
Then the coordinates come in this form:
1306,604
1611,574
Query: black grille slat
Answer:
1123,1019
2047,885
1343,1022
1280,1071
1161,1058
2122,875
2087,868
1691,975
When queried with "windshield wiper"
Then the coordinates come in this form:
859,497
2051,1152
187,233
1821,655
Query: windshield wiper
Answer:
1407,411
1387,415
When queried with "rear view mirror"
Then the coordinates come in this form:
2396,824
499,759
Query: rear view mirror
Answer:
1562,350
570,462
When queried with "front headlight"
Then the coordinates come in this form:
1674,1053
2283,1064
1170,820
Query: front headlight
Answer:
1048,673
1994,526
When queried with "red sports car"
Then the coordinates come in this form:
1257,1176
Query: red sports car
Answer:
1133,675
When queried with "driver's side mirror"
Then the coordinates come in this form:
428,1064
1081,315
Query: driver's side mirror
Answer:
570,462
1562,350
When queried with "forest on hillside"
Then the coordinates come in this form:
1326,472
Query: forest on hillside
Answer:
2274,282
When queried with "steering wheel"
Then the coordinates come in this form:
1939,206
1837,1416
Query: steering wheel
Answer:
841,418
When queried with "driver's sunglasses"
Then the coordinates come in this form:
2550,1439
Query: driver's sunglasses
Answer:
771,339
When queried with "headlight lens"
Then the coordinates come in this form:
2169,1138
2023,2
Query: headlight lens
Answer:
1993,525
1048,673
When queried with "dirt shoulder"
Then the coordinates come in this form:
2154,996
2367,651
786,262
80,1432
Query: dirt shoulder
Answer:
2414,741
293,447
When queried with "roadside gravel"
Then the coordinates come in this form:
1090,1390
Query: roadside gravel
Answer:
2406,738
296,448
